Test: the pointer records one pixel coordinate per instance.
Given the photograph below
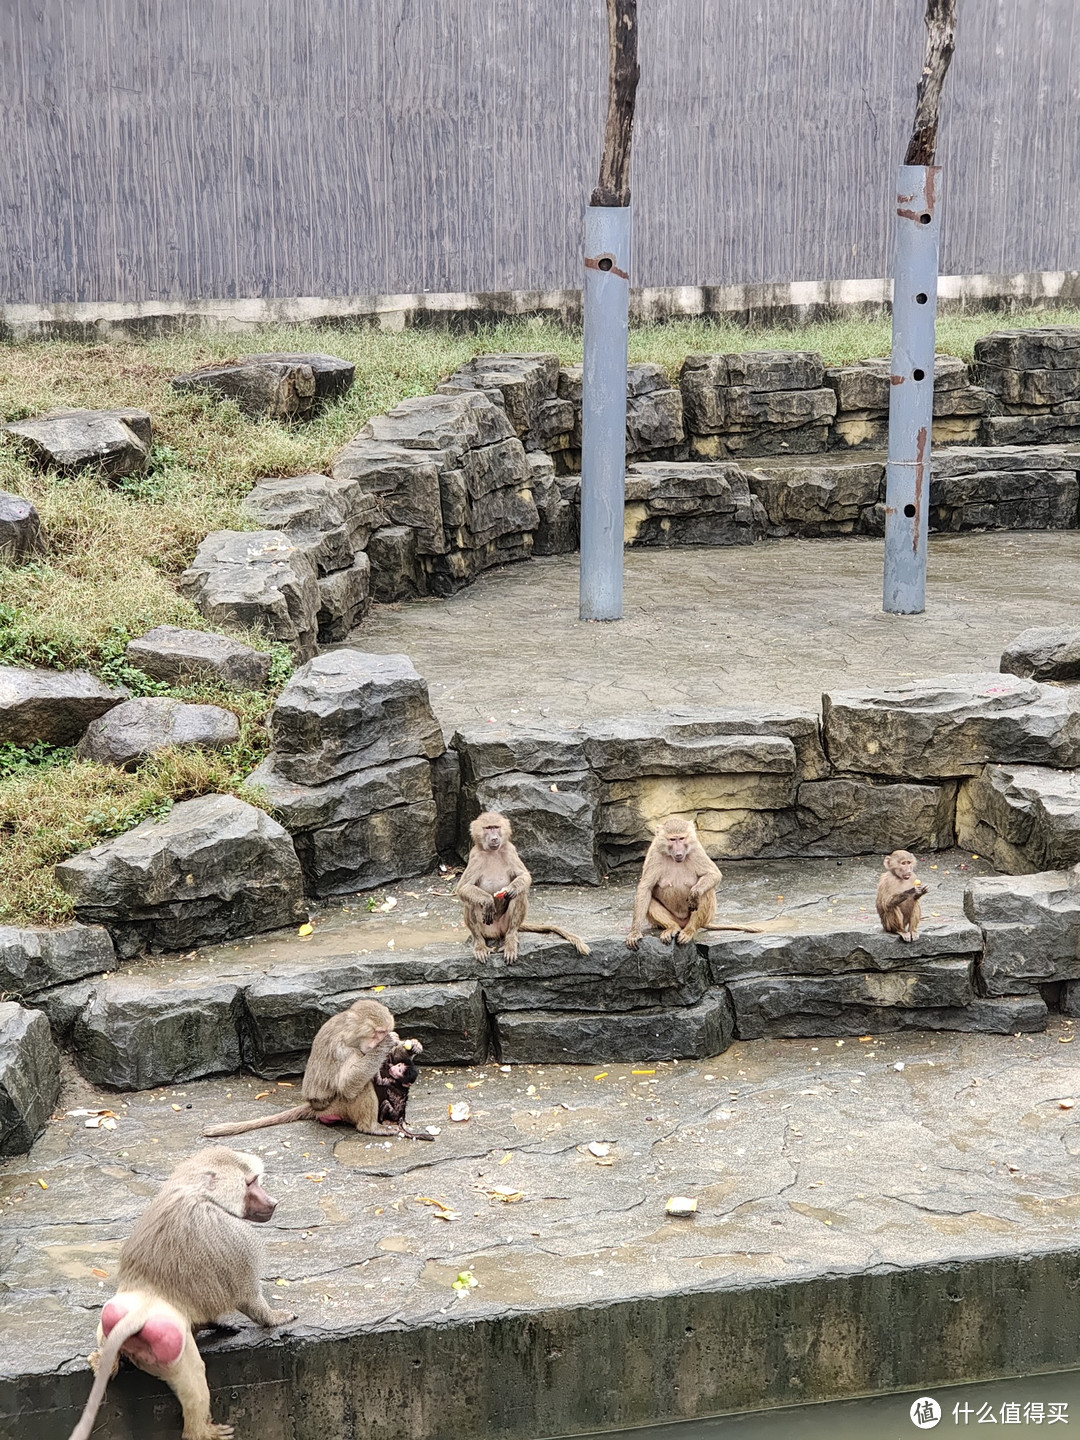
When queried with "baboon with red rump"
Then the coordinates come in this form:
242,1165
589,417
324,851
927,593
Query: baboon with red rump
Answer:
494,888
192,1259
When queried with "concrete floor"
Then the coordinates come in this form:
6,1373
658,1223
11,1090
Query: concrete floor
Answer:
778,622
808,1159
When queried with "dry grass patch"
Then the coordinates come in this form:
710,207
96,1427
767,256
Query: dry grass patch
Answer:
114,552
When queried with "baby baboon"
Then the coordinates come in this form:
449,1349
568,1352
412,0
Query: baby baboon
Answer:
898,896
346,1055
190,1260
677,889
392,1084
494,888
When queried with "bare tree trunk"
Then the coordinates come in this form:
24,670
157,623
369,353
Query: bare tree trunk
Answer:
613,186
940,43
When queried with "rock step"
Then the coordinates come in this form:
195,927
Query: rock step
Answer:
164,1021
29,1077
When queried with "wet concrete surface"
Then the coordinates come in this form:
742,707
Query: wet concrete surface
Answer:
778,622
807,1159
778,895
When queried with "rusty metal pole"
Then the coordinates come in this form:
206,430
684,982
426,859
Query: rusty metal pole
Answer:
607,334
911,397
914,315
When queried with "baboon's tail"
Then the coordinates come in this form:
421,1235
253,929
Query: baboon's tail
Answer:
283,1117
575,940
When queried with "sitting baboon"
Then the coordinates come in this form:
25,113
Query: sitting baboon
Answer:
677,889
898,896
494,888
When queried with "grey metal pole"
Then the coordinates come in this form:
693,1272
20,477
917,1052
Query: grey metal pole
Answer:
911,396
603,414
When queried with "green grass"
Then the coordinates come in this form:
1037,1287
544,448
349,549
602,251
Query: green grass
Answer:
114,553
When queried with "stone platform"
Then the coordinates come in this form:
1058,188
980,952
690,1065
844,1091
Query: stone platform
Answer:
873,1214
777,623
992,955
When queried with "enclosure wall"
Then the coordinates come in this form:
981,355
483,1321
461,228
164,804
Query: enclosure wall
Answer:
219,149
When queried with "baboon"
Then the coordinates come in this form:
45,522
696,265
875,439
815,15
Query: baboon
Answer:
677,889
494,888
190,1260
346,1055
392,1084
898,896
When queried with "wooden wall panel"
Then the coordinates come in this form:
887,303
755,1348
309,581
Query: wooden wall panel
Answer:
189,149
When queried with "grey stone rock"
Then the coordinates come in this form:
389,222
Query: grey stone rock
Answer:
395,572
1070,998
344,600
136,729
116,441
1021,817
446,792
524,384
495,749
375,849
816,948
552,1037
1044,653
34,959
654,418
54,706
451,423
402,483
256,579
334,517
1060,426
644,746
853,817
777,1006
20,529
553,819
553,976
674,503
1030,926
131,1035
345,797
29,1077
213,869
1047,347
792,1006
1004,488
950,726
282,1013
347,710
556,501
827,498
801,727
281,386
176,656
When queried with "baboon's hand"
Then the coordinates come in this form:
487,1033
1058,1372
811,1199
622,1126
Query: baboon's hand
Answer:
633,939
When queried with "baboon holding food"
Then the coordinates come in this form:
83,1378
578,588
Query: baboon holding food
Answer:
898,896
192,1259
494,888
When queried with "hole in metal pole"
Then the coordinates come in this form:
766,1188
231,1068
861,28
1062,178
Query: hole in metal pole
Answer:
925,219
921,298
605,263
918,374
909,511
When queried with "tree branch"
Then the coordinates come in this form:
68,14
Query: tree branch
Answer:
613,186
940,43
